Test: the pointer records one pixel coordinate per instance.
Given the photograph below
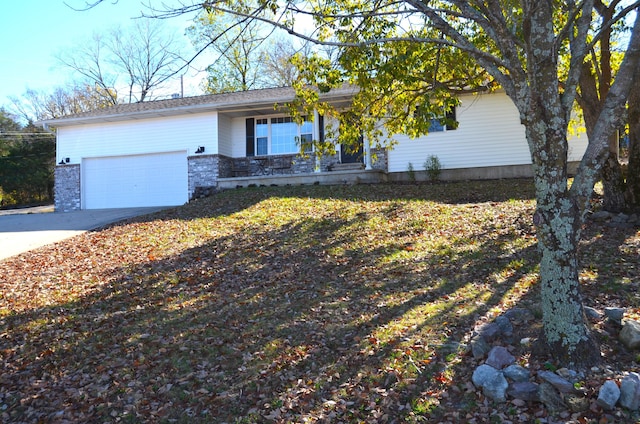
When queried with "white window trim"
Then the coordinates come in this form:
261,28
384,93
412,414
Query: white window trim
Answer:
269,118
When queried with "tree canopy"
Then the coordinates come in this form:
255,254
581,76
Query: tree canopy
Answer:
26,162
128,64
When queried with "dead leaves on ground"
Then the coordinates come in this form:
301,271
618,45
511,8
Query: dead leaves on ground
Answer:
308,304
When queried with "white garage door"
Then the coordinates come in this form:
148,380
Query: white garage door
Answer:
133,181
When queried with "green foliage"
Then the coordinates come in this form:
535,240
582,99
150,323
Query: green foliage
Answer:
27,159
433,167
411,173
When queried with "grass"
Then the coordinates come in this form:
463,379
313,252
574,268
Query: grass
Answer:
291,304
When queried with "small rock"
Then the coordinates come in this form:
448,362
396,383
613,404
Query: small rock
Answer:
525,341
479,347
551,398
601,216
517,373
518,402
630,334
518,315
492,381
621,217
576,403
524,390
505,325
630,391
567,373
614,314
490,331
558,382
592,313
499,357
608,395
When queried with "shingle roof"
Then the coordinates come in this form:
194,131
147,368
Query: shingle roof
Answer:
185,105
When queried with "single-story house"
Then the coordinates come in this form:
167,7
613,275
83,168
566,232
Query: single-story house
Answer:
166,152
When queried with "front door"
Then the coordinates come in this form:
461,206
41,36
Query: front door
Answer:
351,154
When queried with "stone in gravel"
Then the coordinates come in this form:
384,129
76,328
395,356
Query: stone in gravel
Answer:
630,334
551,399
567,373
576,403
524,390
630,391
608,395
492,381
499,357
614,314
558,382
505,325
479,347
517,373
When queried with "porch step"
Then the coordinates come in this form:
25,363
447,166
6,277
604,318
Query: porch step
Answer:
346,166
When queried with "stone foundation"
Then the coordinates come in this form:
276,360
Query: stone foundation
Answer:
203,172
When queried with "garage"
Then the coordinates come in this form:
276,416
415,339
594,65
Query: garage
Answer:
159,179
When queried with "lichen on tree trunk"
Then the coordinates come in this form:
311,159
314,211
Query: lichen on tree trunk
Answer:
566,335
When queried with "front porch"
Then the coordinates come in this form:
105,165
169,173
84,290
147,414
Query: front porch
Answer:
211,173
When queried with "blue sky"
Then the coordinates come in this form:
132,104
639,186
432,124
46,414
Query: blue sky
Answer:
33,31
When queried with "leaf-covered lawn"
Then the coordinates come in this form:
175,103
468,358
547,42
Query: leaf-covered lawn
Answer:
291,304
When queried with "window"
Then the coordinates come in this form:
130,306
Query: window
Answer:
282,135
445,123
306,136
262,136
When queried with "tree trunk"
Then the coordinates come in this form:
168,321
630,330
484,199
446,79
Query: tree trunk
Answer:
613,184
566,337
633,170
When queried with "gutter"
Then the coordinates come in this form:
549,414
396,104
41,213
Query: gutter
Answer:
250,104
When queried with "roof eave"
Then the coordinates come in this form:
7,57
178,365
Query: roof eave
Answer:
248,105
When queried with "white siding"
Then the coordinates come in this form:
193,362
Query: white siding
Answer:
238,137
166,134
489,134
225,130
577,146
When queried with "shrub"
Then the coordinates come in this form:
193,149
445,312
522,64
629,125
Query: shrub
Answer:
433,167
411,173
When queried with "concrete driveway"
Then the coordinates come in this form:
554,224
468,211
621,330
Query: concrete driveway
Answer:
25,229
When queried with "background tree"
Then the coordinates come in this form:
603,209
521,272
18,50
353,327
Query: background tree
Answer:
519,44
632,191
139,59
278,61
246,55
237,48
595,81
36,105
26,163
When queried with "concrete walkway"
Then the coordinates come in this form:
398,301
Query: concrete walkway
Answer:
24,229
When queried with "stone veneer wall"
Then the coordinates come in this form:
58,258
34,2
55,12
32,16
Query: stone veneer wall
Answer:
380,160
204,171
67,188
